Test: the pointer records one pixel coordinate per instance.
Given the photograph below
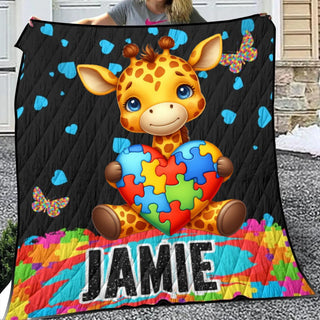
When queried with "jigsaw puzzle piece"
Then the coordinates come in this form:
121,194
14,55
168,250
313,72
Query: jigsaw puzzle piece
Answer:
187,147
154,219
209,148
131,158
184,192
151,178
177,218
208,191
155,154
130,189
151,198
170,170
197,166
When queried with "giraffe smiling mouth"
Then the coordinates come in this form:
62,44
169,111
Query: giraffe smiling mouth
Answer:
164,125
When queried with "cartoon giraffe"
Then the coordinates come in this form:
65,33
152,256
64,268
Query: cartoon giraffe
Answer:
158,94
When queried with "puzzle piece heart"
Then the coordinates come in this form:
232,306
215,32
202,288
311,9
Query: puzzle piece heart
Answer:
40,102
47,29
228,116
179,37
72,129
264,117
68,69
106,46
115,68
169,193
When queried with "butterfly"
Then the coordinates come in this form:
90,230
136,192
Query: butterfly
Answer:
52,207
246,53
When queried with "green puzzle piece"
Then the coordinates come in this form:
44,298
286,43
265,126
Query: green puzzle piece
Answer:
23,272
183,192
154,219
283,270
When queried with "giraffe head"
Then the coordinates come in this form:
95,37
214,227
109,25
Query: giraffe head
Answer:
158,93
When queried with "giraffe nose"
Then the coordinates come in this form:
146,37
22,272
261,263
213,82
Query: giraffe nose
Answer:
151,111
171,106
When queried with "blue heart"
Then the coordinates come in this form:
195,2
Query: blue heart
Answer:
22,67
272,40
179,37
271,57
64,42
51,74
225,35
115,68
47,29
238,84
40,102
153,30
128,40
271,96
68,69
120,144
247,25
21,76
106,46
59,178
264,117
255,147
19,112
62,93
203,74
72,129
228,116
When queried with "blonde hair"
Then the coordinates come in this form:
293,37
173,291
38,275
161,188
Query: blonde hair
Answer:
179,11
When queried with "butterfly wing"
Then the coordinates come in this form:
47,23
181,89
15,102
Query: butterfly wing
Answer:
55,206
246,51
39,204
233,61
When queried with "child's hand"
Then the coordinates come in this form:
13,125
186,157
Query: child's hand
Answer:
32,18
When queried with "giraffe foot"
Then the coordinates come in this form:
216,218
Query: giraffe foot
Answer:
231,217
106,222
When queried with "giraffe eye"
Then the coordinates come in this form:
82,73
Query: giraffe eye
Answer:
184,91
133,104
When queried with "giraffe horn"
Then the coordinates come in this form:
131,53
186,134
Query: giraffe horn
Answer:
166,43
130,51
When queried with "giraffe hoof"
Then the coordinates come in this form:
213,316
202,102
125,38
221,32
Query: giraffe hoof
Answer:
231,217
106,222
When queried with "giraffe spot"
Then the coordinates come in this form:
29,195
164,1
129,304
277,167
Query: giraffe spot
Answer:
119,87
181,60
194,77
122,77
131,218
157,86
126,208
139,63
159,140
124,122
208,215
129,231
195,114
201,104
129,71
159,72
111,75
178,73
199,224
129,85
151,65
173,64
210,228
162,59
131,128
148,78
119,96
193,53
173,57
122,222
140,225
168,147
121,214
175,138
186,67
139,72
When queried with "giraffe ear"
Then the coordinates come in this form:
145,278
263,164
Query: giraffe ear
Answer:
207,54
96,79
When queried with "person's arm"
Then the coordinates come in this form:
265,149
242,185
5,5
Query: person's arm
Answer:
104,19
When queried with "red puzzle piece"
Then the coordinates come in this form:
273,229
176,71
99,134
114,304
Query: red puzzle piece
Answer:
130,189
171,170
206,188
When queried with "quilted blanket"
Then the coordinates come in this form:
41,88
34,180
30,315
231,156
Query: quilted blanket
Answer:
146,168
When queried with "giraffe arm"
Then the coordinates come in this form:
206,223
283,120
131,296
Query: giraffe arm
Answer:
113,173
225,168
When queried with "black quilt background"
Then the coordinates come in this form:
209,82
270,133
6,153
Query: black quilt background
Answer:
43,146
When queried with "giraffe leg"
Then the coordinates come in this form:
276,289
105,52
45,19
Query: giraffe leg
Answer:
118,221
221,218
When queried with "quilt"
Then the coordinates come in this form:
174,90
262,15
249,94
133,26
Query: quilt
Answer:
146,168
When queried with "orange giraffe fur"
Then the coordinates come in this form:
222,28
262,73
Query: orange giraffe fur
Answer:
153,81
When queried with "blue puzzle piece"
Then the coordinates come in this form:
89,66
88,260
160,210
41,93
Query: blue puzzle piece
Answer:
149,197
271,290
186,147
130,160
203,164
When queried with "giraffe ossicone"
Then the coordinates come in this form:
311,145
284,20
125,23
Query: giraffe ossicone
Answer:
158,93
